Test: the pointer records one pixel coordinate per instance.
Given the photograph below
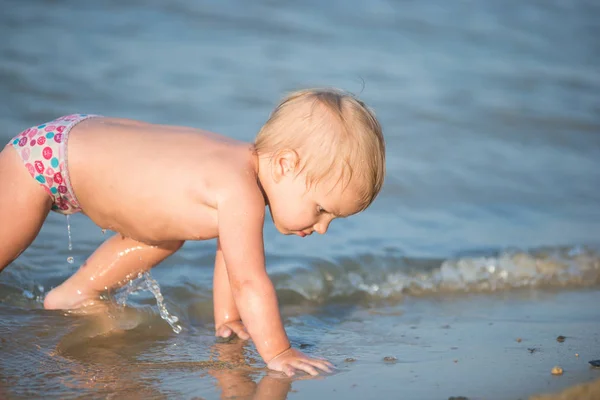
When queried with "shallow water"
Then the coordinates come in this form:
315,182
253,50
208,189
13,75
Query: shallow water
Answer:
491,116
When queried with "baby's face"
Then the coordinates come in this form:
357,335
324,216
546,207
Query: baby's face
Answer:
301,210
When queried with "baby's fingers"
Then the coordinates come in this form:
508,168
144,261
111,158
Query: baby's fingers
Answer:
303,365
223,331
323,365
288,370
241,332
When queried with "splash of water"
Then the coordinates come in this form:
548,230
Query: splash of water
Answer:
36,293
143,282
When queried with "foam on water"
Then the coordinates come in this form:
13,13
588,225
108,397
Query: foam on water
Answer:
388,278
355,279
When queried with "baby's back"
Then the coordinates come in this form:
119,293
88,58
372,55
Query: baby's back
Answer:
151,182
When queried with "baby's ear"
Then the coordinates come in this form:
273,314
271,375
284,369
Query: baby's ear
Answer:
286,162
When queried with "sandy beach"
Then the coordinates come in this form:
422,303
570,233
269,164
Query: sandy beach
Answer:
479,347
584,391
493,346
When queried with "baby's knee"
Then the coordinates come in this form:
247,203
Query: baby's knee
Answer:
53,301
172,245
59,298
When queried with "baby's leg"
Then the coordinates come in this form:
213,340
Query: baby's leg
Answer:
24,205
116,261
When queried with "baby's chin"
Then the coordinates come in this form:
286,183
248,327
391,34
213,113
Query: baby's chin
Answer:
282,230
293,233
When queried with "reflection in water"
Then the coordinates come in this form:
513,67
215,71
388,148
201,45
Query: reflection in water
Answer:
99,355
105,355
237,379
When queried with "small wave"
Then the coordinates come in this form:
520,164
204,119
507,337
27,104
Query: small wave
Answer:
391,278
370,278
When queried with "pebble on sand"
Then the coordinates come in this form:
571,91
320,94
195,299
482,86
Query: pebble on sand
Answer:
557,371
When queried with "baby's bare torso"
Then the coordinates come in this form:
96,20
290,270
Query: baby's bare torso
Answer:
153,183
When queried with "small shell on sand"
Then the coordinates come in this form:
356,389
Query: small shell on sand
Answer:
557,371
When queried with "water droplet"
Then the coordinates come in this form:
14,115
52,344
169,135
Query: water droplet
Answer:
70,260
69,233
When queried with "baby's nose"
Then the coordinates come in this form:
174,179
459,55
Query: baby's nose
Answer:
321,228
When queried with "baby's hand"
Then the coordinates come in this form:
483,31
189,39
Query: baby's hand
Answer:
236,327
291,360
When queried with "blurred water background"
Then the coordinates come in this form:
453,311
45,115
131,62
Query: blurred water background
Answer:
490,109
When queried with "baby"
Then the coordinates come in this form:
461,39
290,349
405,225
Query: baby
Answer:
320,156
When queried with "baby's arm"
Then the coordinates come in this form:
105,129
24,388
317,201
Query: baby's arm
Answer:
241,219
227,316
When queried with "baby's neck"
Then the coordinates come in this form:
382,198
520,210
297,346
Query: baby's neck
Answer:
261,167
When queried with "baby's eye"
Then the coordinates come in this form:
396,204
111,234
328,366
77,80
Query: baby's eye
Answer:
320,210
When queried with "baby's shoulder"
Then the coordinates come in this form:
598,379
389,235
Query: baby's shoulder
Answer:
237,177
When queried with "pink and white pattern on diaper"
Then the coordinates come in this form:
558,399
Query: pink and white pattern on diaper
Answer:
43,151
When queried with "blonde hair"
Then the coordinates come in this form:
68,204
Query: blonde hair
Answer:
334,133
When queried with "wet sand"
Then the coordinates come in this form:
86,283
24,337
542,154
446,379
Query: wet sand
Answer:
584,391
478,347
484,346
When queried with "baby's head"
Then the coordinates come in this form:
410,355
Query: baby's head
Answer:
321,146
